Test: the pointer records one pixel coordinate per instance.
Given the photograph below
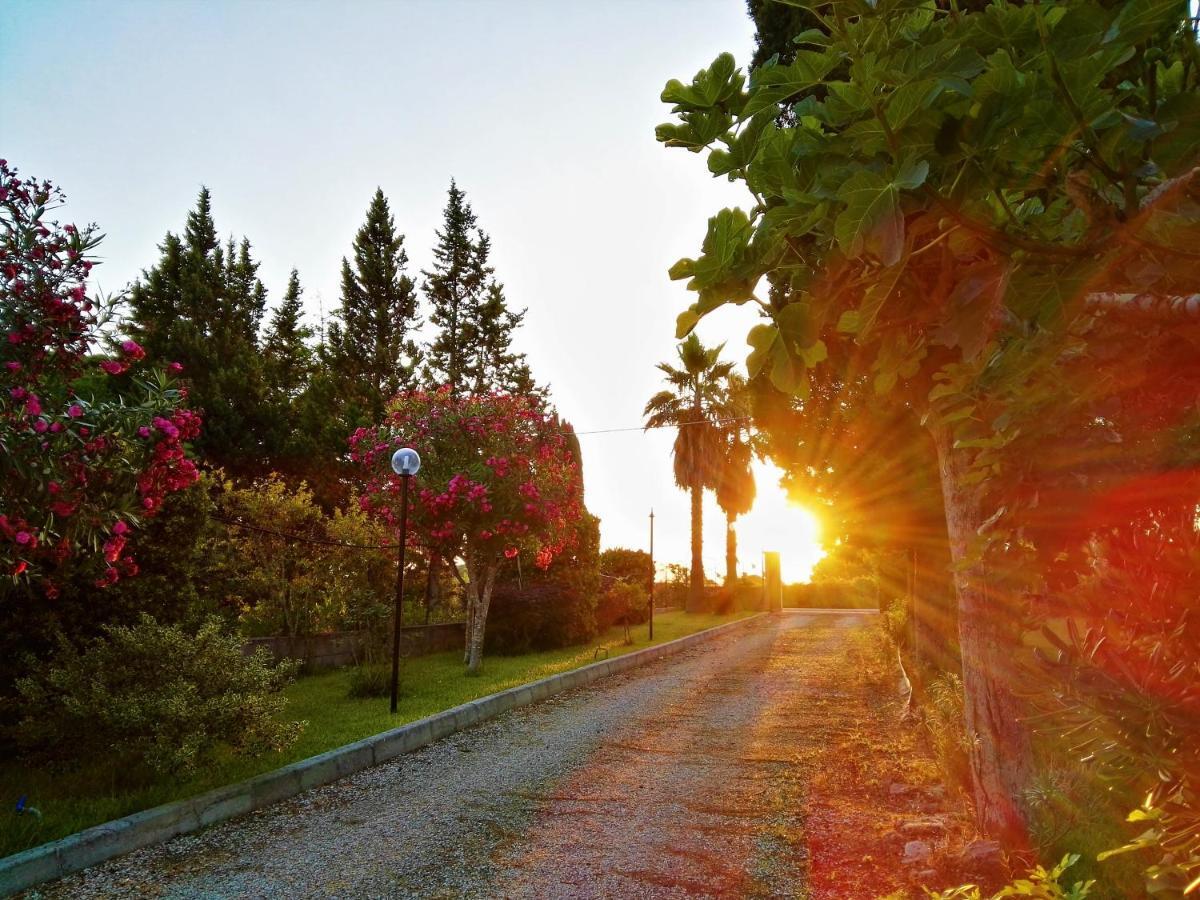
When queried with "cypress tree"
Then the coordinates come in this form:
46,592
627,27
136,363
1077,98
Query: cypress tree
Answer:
201,306
454,289
288,355
369,347
494,364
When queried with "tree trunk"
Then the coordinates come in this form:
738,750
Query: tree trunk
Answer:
730,551
695,598
1001,756
480,593
430,583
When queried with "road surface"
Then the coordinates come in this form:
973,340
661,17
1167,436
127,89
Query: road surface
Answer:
744,767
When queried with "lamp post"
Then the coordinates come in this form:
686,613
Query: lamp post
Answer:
652,573
405,463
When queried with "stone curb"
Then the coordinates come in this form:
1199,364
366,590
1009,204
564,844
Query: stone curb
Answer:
102,842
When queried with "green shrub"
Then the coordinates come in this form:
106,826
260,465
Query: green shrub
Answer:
371,680
542,616
896,621
1040,884
944,719
154,694
624,603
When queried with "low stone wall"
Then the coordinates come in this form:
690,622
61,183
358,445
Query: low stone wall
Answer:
342,648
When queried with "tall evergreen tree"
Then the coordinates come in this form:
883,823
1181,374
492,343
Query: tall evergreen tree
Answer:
369,347
201,306
492,362
289,356
455,289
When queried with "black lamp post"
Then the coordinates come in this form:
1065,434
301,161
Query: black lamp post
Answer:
405,463
652,578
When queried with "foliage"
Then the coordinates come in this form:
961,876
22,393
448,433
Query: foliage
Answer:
80,475
97,791
498,476
695,407
624,564
1041,883
544,609
942,716
372,679
472,349
1126,686
369,348
201,306
622,603
155,694
281,583
986,216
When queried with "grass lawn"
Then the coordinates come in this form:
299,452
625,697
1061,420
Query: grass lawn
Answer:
103,790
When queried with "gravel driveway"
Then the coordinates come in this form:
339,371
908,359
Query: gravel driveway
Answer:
687,777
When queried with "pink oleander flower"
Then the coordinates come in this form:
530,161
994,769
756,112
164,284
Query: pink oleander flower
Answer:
75,411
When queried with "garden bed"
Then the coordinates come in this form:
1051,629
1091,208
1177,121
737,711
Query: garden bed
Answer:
102,790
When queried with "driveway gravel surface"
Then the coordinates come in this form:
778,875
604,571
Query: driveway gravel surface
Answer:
690,777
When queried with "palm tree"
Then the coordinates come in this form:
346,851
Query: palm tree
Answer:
735,483
694,406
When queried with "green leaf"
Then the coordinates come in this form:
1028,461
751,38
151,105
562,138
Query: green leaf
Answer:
848,322
875,297
814,354
912,174
719,82
685,268
774,85
685,322
1140,20
871,221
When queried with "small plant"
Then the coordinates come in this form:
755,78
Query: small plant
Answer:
1040,884
157,695
943,717
372,679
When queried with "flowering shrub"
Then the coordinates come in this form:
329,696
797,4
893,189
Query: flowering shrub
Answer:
79,475
497,479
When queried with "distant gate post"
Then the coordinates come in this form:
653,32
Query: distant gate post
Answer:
773,581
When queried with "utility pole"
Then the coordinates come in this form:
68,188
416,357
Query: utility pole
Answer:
653,574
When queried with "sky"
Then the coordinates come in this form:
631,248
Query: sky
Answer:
293,113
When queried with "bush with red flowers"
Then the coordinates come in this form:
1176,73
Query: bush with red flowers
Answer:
498,478
79,474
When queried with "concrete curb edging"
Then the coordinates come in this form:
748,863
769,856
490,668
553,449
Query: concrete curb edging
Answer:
103,842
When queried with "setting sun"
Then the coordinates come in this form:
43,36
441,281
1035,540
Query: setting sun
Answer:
776,523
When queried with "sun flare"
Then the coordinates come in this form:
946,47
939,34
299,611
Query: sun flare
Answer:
777,523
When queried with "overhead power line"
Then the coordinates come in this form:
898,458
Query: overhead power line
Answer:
665,425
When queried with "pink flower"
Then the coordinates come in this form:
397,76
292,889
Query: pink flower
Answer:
13,366
24,537
40,426
174,368
144,431
120,528
33,406
133,349
113,367
75,411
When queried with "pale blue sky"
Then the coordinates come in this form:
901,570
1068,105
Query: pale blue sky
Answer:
292,113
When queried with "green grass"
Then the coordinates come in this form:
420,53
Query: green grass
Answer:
101,790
